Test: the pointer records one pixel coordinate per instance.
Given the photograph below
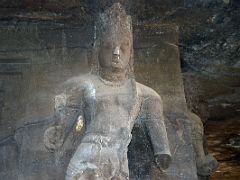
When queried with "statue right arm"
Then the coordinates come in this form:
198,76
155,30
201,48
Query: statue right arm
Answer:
67,113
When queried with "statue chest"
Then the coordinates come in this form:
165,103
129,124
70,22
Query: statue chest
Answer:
109,108
100,98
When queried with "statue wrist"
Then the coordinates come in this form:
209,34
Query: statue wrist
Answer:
53,138
163,160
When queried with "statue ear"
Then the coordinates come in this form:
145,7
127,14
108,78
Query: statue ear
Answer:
92,55
129,20
131,64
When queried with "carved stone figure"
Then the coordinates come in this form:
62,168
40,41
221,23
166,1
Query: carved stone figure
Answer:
206,164
105,106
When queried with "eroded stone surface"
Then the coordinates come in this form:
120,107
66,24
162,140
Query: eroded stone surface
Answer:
111,103
149,73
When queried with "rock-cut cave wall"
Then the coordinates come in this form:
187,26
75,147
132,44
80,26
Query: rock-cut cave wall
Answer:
43,43
36,57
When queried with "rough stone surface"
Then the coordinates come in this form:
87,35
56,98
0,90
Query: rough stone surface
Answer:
35,59
48,66
208,46
157,65
110,102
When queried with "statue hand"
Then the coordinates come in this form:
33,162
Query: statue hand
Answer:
207,166
53,137
163,161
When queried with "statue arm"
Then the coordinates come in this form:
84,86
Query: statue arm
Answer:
68,115
68,111
157,131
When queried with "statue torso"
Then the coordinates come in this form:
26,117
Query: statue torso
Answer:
110,112
107,109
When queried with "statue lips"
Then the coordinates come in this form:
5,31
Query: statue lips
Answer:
116,63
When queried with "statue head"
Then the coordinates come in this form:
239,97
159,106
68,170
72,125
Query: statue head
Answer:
115,40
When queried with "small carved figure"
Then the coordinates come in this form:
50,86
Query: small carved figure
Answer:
106,106
206,164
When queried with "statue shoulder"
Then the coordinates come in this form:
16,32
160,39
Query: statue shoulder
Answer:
76,84
147,92
194,118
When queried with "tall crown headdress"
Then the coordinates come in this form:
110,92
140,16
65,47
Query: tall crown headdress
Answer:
114,19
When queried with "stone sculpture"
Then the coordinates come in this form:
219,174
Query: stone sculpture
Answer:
105,106
206,164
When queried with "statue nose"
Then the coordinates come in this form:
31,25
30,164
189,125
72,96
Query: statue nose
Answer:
117,51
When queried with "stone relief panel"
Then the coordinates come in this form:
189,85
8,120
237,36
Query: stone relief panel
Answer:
66,55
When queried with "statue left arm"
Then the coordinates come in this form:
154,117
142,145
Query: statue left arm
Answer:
157,131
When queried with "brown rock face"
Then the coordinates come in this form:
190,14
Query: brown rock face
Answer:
44,43
40,74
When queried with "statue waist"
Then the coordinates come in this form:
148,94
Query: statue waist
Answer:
108,140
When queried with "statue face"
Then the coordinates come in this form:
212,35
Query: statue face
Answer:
115,52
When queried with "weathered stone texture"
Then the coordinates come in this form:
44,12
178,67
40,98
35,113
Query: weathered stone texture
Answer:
157,65
36,58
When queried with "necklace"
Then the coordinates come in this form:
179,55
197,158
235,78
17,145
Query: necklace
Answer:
110,83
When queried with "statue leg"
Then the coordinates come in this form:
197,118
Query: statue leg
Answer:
84,161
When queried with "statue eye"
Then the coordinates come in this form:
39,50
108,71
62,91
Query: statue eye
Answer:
123,48
126,43
107,45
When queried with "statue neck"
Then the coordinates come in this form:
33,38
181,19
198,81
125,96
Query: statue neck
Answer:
114,77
